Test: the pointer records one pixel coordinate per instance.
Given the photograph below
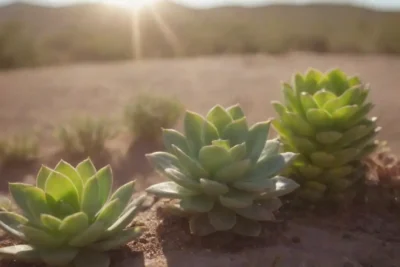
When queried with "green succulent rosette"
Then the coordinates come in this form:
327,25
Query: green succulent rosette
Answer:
324,118
223,174
70,217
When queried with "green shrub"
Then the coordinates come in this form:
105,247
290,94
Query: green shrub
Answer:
148,114
70,217
85,136
18,149
223,173
325,119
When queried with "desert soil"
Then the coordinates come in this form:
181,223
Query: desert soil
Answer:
41,99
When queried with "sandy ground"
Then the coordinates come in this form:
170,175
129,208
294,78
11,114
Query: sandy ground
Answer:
43,98
46,97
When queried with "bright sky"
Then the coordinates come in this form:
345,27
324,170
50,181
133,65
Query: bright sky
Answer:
380,4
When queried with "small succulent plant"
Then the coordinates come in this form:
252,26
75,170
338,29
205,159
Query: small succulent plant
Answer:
324,119
70,217
223,174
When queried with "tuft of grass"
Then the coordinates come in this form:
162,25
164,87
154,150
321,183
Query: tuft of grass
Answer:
85,136
19,148
148,114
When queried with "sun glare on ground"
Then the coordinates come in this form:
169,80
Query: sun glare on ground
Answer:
132,4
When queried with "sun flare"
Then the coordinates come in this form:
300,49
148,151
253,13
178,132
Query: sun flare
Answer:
132,4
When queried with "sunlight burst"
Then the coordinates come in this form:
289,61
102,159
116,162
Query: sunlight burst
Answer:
131,4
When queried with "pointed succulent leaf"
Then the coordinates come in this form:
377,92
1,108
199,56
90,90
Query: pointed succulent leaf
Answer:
279,108
213,158
124,194
351,96
256,139
197,204
222,219
304,144
74,224
307,101
92,234
31,200
236,199
193,125
298,124
345,113
126,218
213,188
86,170
346,155
10,223
337,81
219,117
278,126
358,116
182,179
256,212
69,171
254,185
235,111
323,159
42,176
221,143
173,137
110,212
200,225
50,222
60,187
41,238
310,171
24,253
88,258
328,137
319,117
315,186
323,96
355,133
105,182
90,198
290,97
189,164
283,186
59,256
271,148
246,227
209,133
122,238
233,171
238,152
339,172
272,166
339,185
170,190
163,160
236,131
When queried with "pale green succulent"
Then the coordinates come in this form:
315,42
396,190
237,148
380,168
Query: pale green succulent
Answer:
223,173
324,119
70,217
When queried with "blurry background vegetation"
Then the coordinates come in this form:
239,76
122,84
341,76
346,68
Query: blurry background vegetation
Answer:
35,35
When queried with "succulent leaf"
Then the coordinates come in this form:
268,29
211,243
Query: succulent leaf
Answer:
60,187
88,258
24,253
58,257
170,190
222,219
256,139
193,124
197,204
200,225
105,181
69,171
42,176
119,240
86,170
236,112
213,188
219,117
172,137
236,131
213,157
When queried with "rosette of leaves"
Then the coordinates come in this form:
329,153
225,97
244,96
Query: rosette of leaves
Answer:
70,217
324,119
223,174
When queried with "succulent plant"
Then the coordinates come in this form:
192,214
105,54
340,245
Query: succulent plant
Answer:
324,119
223,174
70,218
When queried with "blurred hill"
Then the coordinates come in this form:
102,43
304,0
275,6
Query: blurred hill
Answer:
35,35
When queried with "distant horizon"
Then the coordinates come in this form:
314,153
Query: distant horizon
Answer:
374,4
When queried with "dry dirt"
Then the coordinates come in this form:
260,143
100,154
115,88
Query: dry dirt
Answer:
44,98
